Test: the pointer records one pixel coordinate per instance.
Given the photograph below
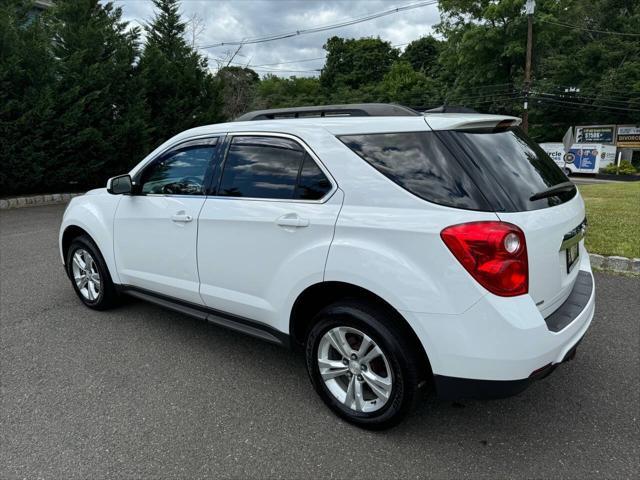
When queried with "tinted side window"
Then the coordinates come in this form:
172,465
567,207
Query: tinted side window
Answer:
181,172
312,184
420,163
261,167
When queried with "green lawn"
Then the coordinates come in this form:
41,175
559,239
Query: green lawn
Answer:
613,212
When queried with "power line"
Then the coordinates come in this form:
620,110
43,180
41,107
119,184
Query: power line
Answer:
269,70
570,96
323,28
309,59
587,105
610,92
487,96
606,32
287,62
587,98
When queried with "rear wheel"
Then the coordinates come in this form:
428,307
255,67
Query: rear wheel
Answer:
361,366
89,274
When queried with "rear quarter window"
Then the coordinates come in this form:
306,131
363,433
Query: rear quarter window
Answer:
420,163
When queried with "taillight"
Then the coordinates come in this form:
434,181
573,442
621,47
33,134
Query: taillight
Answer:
494,253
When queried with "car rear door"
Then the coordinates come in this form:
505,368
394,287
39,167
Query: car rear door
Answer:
266,231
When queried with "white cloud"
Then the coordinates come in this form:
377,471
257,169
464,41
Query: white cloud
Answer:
233,20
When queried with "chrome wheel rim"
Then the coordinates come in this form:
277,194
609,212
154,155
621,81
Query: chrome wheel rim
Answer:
354,369
85,274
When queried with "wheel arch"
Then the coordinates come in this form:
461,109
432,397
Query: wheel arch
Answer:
317,296
69,233
91,215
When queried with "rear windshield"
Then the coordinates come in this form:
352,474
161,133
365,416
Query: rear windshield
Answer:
475,170
518,166
420,163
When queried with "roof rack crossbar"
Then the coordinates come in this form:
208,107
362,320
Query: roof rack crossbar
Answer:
345,110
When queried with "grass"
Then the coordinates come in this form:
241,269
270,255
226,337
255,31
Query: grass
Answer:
613,212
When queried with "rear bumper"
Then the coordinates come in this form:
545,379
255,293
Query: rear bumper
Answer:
452,388
499,345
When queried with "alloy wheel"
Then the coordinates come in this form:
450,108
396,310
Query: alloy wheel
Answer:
86,275
354,369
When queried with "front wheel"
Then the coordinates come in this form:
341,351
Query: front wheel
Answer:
361,366
89,274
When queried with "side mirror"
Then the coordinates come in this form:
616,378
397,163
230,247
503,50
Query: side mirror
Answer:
119,185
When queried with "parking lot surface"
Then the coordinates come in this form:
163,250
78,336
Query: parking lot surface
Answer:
141,392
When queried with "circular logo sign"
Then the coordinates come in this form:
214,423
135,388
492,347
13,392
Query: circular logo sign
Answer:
569,157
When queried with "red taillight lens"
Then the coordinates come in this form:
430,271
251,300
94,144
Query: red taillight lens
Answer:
494,253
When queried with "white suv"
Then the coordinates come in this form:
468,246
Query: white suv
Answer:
396,249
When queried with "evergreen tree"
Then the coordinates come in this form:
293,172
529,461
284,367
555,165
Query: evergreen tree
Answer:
26,98
98,128
179,91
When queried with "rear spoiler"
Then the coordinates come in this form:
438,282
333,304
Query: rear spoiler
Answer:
470,122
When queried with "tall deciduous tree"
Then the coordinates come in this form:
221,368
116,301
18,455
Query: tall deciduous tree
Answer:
238,89
179,90
422,55
277,92
409,87
354,63
581,74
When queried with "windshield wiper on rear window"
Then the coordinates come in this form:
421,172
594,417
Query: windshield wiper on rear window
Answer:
551,191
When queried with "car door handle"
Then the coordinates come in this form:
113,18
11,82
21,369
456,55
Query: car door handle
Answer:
181,217
292,220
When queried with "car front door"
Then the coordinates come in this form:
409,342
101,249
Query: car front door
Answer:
155,230
267,229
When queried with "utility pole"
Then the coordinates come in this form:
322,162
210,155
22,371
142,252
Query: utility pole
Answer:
530,7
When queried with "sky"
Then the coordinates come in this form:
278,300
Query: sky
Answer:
235,20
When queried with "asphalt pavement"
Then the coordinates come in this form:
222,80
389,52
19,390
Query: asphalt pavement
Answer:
141,392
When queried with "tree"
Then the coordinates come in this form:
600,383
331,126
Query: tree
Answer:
70,110
26,98
408,87
179,91
238,90
483,57
355,63
195,28
99,126
422,55
278,92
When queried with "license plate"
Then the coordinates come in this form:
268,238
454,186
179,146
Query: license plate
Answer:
572,256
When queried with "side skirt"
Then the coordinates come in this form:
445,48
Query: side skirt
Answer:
216,317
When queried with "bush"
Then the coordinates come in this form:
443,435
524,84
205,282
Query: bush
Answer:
625,168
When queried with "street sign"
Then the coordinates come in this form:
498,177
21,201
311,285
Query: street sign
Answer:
628,136
599,134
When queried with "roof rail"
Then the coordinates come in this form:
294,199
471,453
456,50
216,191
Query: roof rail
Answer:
346,110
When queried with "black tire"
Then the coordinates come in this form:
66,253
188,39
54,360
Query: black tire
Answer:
400,354
108,296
